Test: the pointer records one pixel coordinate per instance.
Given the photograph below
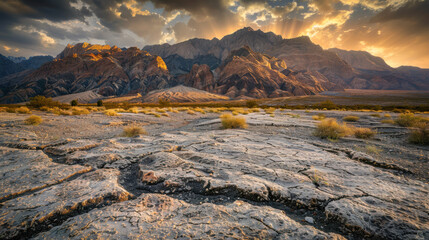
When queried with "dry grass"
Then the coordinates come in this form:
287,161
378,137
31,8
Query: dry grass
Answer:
375,115
270,110
133,131
23,110
319,117
364,133
10,110
33,120
351,118
190,112
329,128
165,114
420,134
410,120
388,121
133,110
111,112
80,111
387,115
229,121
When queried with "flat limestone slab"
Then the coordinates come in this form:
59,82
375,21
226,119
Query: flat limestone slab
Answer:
24,214
26,170
155,216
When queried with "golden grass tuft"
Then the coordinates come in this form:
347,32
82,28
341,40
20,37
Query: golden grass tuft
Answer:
388,121
165,114
364,133
375,115
351,118
80,111
133,131
410,120
133,110
329,128
190,112
33,120
420,134
229,121
23,110
319,117
387,115
111,112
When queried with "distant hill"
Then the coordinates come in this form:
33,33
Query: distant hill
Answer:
182,94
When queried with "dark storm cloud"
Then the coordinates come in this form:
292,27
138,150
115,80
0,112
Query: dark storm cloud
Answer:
414,12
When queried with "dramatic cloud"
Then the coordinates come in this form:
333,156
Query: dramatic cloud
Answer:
393,29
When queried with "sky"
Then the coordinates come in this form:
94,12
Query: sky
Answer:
396,30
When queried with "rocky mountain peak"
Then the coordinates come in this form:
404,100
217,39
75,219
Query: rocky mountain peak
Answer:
86,48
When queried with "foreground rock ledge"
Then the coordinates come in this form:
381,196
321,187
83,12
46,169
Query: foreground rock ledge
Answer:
155,216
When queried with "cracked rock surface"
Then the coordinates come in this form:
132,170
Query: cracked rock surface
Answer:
189,179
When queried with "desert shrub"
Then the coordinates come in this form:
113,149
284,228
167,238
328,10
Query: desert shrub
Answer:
191,112
33,120
329,128
373,149
387,115
23,110
73,103
165,114
388,121
327,105
164,102
199,110
10,110
351,118
111,112
251,103
409,120
133,110
293,115
319,117
420,134
364,133
79,111
154,114
99,103
133,131
40,101
160,110
229,121
375,115
65,112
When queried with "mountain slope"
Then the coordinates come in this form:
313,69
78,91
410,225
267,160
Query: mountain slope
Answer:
362,60
84,67
182,94
300,54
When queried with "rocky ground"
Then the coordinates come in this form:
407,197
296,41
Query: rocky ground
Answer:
75,177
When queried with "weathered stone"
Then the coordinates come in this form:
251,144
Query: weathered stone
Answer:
37,210
26,170
155,216
72,146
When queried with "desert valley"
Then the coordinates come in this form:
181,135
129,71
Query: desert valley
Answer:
251,135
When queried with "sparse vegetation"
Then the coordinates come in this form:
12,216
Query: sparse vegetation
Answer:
33,120
388,121
420,134
251,103
375,115
364,133
229,121
99,103
191,112
10,110
80,111
74,103
319,117
40,101
351,118
111,112
387,115
23,110
329,128
164,102
373,149
410,120
133,131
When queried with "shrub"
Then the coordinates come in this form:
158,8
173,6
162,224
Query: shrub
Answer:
270,110
133,110
251,103
328,104
111,112
79,111
190,112
99,103
165,114
420,135
409,120
23,110
329,128
229,121
73,102
375,115
33,120
164,102
364,133
40,101
132,131
388,121
387,115
10,110
351,118
319,117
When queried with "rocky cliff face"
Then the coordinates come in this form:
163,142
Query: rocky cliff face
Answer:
246,73
84,67
362,60
300,54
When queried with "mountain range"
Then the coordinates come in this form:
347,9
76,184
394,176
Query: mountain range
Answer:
245,64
